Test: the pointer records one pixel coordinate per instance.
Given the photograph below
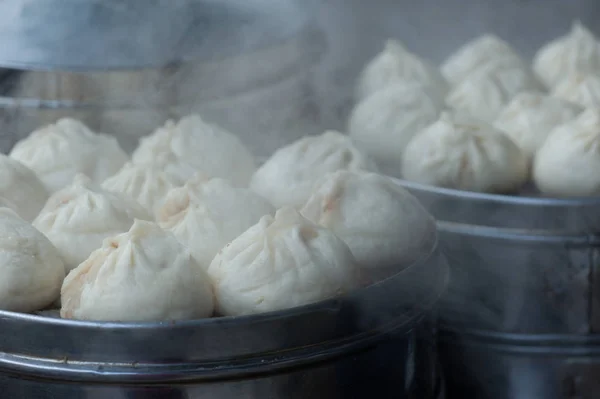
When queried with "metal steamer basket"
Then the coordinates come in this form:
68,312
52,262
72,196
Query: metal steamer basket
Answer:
374,341
521,316
520,320
124,67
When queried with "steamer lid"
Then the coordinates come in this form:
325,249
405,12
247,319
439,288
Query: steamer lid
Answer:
126,34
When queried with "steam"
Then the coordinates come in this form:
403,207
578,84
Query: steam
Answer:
243,64
250,80
111,33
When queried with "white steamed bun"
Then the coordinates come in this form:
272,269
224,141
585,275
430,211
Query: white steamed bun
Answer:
31,271
22,188
59,151
467,154
79,217
205,215
288,176
580,88
476,54
568,163
382,124
529,118
279,263
193,145
484,93
576,52
382,223
4,203
144,274
148,184
394,63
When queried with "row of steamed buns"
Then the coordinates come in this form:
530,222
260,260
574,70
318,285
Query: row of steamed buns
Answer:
486,120
188,226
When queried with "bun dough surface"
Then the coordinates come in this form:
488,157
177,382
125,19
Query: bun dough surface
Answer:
568,163
193,145
207,214
467,154
576,52
31,271
580,88
476,54
281,262
79,217
147,184
395,63
530,117
144,274
4,203
58,152
382,223
22,188
382,124
485,93
288,176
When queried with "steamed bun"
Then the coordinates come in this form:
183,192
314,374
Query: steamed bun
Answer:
279,263
396,63
383,224
21,188
476,54
576,52
31,271
4,203
193,145
529,118
206,214
144,274
288,176
147,184
580,88
58,152
382,124
467,154
485,93
79,217
568,163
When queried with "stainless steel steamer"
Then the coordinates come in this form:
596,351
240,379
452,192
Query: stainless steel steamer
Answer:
521,322
373,342
522,313
126,66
